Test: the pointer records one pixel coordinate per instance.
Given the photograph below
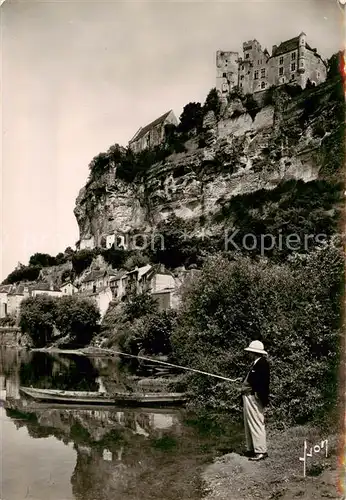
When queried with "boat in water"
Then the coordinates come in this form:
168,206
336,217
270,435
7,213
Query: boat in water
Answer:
100,398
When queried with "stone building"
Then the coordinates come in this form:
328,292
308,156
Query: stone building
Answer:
293,61
152,134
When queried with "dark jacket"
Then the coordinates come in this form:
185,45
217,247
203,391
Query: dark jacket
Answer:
259,379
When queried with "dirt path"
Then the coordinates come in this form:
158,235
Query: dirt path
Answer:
280,476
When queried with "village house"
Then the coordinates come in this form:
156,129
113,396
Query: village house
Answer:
68,288
96,279
101,298
117,284
4,289
152,134
45,289
151,279
15,297
292,61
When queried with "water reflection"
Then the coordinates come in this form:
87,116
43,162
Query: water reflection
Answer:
107,453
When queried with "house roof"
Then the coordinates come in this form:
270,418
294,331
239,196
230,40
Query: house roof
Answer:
288,46
46,287
165,290
94,275
5,288
142,131
67,283
118,275
141,270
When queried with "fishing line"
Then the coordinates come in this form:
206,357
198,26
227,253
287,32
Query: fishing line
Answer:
171,365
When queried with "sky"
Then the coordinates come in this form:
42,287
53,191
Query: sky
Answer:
79,76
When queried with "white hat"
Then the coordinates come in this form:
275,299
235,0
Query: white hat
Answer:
256,346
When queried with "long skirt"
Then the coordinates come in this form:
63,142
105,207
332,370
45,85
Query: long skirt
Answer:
255,433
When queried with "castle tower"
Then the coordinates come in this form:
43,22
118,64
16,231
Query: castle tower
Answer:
226,71
302,60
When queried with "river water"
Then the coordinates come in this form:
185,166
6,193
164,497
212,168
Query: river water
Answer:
64,453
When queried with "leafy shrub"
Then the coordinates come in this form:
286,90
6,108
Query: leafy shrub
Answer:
37,318
8,321
78,318
26,273
251,105
293,308
138,305
73,316
150,334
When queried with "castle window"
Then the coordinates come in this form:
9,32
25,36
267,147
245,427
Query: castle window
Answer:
281,71
281,61
242,77
293,66
293,56
224,75
241,84
242,67
263,73
256,75
301,64
247,56
263,85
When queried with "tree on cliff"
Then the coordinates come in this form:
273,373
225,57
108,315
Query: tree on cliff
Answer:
191,118
212,103
42,259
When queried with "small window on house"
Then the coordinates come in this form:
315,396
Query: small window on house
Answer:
281,71
247,56
281,61
94,288
242,68
242,77
263,85
293,56
293,66
241,84
256,75
301,64
224,75
263,73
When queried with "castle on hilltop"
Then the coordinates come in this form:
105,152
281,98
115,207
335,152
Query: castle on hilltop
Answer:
293,61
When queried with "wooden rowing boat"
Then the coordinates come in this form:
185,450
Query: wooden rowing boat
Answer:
77,397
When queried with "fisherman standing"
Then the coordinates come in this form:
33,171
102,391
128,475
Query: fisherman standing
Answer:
255,393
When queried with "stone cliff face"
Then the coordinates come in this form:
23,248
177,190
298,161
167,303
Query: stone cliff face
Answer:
239,155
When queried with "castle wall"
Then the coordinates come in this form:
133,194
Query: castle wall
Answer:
226,71
257,71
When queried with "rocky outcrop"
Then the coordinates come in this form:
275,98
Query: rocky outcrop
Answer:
236,154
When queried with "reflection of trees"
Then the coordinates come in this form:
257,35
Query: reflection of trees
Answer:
66,372
160,464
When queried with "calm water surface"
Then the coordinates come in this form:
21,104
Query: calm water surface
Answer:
64,453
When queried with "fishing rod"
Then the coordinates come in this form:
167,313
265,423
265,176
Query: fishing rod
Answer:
171,364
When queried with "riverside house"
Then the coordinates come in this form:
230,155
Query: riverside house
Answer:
68,288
